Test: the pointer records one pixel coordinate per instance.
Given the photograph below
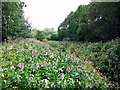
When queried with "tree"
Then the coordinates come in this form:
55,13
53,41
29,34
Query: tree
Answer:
92,22
13,22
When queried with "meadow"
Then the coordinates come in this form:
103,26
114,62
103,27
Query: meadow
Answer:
29,63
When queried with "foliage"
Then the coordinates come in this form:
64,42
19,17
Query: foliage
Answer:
105,56
33,33
45,40
47,33
40,35
13,22
54,37
92,22
35,65
50,34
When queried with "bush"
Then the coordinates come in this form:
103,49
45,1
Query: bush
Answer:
40,36
105,57
54,37
45,40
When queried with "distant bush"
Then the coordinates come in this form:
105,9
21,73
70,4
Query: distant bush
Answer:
72,48
33,33
54,37
40,36
45,40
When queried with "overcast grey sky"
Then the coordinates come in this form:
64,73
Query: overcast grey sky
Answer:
49,13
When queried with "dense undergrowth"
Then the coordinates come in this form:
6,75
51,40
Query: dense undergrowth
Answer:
33,64
104,55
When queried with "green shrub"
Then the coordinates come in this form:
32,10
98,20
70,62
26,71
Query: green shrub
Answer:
40,36
54,37
45,40
105,56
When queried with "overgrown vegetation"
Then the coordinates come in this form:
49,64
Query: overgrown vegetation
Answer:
30,63
42,65
105,56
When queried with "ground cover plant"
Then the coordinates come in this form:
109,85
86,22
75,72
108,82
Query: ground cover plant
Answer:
38,65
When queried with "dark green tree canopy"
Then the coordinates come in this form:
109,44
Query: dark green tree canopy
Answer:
92,22
13,21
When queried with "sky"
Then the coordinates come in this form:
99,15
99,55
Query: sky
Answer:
49,13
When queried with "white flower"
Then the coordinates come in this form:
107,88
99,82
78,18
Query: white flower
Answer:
11,47
63,75
2,75
12,67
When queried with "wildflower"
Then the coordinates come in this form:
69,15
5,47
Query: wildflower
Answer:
31,66
86,86
85,70
79,66
45,62
21,66
86,62
65,83
11,47
90,86
92,77
98,69
63,75
2,75
45,59
21,49
12,67
49,51
29,78
68,69
30,48
34,51
84,67
55,85
105,83
31,58
61,70
94,70
37,65
52,56
17,51
47,83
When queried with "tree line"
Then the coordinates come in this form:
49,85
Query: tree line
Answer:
13,22
92,22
